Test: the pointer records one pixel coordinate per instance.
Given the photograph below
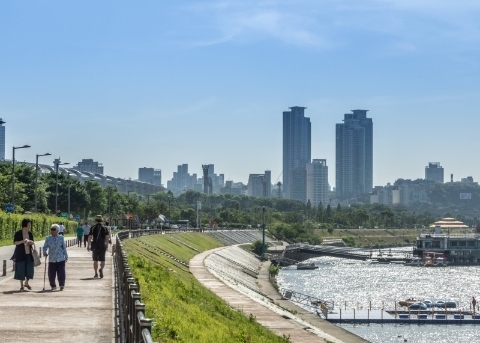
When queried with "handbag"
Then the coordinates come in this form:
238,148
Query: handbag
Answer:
36,258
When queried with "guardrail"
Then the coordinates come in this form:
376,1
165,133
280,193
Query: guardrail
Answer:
135,327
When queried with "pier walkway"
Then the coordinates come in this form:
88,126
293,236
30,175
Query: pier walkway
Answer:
83,312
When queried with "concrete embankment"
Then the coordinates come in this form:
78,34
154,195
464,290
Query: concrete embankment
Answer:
227,271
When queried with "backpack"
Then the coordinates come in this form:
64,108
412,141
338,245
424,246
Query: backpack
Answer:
95,243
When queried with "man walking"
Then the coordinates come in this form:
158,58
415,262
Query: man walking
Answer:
86,232
98,243
61,229
79,235
56,251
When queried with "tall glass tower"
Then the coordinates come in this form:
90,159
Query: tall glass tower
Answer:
354,155
2,140
297,140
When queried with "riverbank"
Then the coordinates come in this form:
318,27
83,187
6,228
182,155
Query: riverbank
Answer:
371,238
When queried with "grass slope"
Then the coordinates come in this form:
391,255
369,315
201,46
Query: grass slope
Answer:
181,308
376,238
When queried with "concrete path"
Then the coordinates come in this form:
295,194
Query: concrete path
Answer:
275,322
83,312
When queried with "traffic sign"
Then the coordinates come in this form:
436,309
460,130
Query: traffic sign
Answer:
64,214
77,217
9,208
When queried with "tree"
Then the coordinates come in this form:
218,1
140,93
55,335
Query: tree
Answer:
328,213
98,199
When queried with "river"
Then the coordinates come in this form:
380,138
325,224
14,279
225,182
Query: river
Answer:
357,284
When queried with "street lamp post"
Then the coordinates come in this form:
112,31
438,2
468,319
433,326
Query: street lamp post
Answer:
36,179
13,170
57,163
263,232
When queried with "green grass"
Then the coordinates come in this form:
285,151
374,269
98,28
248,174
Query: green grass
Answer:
378,238
182,309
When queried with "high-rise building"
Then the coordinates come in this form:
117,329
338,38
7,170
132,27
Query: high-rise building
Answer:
296,151
434,172
88,165
150,175
354,155
260,185
2,140
317,182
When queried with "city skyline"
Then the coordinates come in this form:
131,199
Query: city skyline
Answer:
162,84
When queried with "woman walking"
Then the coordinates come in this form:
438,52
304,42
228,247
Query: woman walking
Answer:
56,251
23,241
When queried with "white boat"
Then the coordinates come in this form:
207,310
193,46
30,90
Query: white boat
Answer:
415,262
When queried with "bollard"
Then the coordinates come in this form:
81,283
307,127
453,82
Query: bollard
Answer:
40,252
4,268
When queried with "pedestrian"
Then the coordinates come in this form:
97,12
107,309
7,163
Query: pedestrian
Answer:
79,235
86,232
61,229
98,243
474,302
23,240
56,251
109,229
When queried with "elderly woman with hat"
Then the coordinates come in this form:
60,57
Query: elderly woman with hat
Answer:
98,242
56,251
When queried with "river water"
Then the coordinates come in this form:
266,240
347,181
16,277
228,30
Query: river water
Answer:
357,284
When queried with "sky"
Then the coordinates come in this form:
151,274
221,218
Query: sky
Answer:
162,83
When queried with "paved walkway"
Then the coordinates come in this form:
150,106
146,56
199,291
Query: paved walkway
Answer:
83,312
275,322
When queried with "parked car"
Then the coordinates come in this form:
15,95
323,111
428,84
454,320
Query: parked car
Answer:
418,306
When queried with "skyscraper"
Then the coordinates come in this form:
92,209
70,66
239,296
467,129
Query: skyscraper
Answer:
317,182
354,155
434,172
2,140
296,151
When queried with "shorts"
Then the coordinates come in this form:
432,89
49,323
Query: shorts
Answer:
99,254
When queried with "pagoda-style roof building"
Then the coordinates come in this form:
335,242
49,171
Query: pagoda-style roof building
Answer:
449,223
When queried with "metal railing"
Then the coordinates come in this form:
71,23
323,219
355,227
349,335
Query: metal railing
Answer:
135,327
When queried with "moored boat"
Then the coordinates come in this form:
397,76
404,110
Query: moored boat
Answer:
306,266
408,302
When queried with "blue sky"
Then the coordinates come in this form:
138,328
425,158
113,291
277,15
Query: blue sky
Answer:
161,83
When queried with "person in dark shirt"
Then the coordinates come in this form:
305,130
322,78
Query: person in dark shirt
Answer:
98,243
23,240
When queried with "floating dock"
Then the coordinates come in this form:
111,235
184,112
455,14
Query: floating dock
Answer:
348,316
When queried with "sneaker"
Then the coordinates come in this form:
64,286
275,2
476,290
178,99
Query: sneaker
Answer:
101,273
61,288
96,276
54,289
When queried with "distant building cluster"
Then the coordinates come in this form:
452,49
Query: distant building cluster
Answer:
304,179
